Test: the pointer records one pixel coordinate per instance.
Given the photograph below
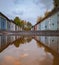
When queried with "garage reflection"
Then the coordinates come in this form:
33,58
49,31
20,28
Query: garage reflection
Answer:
36,50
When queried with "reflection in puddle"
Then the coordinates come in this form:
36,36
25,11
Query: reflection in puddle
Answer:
27,51
24,55
51,42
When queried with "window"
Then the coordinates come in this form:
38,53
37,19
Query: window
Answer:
58,14
53,40
45,26
53,24
3,23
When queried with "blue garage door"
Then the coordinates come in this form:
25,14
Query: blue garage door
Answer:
0,23
3,24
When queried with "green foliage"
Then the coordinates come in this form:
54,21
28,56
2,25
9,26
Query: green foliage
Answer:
22,40
29,25
23,24
56,3
39,19
17,21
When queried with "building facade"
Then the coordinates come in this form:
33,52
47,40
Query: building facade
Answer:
7,24
52,42
49,22
12,26
3,22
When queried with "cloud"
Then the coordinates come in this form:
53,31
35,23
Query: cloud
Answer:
18,13
26,9
18,1
31,19
9,60
48,4
36,2
24,55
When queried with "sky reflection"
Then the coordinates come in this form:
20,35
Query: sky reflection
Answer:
26,54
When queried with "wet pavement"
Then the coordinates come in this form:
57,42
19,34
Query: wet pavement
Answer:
36,50
28,33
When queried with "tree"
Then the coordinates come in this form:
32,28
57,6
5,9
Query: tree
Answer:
47,13
29,25
56,3
39,19
22,24
17,21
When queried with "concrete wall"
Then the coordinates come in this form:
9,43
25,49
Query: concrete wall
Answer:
43,25
3,40
12,38
52,42
8,25
47,24
50,23
58,21
32,28
38,26
16,28
12,26
53,22
19,29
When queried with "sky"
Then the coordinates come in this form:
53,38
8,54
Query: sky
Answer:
28,10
